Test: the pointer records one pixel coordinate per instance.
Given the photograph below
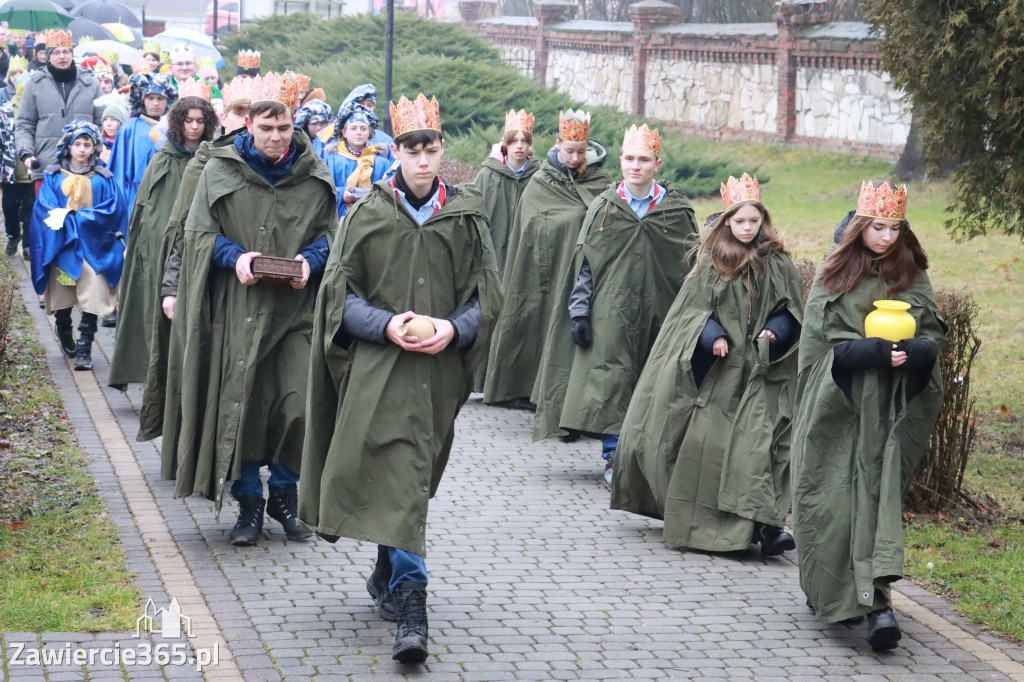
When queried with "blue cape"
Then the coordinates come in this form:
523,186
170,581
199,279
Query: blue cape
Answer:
129,158
342,166
88,233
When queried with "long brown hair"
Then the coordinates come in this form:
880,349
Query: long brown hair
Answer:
728,254
852,259
510,136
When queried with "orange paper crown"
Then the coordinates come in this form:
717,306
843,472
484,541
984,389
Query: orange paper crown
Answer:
418,114
882,201
58,38
239,88
744,189
518,121
140,65
644,138
249,59
303,81
283,89
195,87
574,126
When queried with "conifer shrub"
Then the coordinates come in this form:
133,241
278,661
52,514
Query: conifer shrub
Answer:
475,88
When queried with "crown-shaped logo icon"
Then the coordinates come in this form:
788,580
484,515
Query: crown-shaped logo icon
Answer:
248,59
195,87
644,138
283,89
18,63
151,46
206,63
882,201
574,126
58,38
419,114
745,189
518,121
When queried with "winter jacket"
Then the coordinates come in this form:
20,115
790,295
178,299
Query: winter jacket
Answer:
44,112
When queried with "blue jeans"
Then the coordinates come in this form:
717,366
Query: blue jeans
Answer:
406,566
609,443
250,483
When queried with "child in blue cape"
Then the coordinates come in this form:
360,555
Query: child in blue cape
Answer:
76,247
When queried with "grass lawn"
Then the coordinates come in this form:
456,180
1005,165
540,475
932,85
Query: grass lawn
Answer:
978,561
61,568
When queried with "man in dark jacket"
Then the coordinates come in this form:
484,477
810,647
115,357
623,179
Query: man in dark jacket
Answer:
55,96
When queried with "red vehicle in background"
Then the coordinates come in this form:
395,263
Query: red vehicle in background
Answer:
227,17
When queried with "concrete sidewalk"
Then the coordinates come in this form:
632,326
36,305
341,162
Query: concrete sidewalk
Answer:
532,577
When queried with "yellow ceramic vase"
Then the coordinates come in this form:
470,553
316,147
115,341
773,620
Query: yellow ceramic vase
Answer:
891,321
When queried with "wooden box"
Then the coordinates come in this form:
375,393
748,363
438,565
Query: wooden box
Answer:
271,270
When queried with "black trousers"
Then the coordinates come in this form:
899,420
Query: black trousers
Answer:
86,327
18,200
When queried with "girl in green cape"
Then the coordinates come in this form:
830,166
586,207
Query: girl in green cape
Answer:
705,441
867,408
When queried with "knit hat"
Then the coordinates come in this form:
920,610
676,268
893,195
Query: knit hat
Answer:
116,111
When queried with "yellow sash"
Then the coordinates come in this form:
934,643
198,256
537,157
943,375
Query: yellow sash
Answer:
78,190
363,173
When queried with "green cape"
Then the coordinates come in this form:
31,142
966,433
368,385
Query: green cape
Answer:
140,287
151,415
381,420
638,266
500,189
545,229
238,386
712,461
852,459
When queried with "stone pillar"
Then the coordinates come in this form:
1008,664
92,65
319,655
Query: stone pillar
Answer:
647,15
475,10
791,15
548,12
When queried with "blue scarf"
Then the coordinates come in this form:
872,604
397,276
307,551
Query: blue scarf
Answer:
264,167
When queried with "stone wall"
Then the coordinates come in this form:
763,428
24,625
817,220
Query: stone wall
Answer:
850,104
798,79
593,78
713,95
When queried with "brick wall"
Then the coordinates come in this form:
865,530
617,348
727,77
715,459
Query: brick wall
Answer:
795,79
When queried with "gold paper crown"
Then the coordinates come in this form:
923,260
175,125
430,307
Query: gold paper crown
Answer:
86,39
303,80
239,88
165,57
110,56
574,126
140,65
17,32
59,38
745,189
283,89
18,63
882,201
643,137
418,114
518,121
151,46
195,87
248,59
206,63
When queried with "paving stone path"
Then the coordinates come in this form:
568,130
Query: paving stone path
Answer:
531,577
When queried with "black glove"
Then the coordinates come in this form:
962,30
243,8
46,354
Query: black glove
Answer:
582,333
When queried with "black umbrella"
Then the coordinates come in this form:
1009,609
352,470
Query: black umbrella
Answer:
107,12
84,27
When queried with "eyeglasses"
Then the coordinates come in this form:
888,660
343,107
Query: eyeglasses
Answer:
61,53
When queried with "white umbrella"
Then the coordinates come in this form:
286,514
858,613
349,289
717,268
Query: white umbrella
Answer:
202,45
126,54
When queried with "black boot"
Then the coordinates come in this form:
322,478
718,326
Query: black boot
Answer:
83,355
411,634
883,632
377,585
62,330
249,526
775,541
110,321
283,506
